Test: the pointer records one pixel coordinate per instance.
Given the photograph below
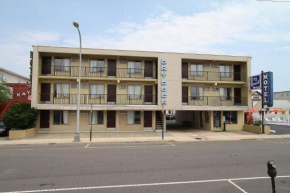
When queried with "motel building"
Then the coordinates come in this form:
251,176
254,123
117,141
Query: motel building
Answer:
127,90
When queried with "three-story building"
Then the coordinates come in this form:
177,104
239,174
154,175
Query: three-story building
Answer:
123,89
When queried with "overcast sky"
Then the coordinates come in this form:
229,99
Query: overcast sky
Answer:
260,29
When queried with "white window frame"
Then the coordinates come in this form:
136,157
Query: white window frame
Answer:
131,117
196,69
65,64
134,91
97,91
63,118
223,94
199,93
61,90
225,70
133,67
97,65
95,120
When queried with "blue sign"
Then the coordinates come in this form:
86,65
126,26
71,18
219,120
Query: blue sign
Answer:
268,89
255,82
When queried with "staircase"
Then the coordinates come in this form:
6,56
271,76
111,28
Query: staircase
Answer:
158,122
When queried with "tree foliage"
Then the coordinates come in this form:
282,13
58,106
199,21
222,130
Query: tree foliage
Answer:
5,92
20,116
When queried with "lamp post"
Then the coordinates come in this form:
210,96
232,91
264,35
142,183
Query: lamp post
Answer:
77,134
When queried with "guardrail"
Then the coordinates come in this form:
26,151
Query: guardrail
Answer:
214,101
214,76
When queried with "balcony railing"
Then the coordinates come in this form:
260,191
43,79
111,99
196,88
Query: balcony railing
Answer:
214,76
97,72
102,99
214,101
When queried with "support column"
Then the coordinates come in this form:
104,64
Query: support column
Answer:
164,121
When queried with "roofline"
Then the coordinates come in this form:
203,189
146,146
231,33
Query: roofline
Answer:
14,73
141,51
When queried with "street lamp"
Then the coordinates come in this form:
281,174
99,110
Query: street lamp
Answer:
77,134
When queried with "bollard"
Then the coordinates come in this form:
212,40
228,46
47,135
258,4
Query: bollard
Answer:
272,172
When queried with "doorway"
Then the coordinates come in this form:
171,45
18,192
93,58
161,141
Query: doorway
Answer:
185,70
217,119
148,69
148,119
111,98
45,92
237,73
112,68
44,119
111,120
148,94
237,96
46,65
185,94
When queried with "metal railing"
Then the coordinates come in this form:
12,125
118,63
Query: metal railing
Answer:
103,99
214,76
214,101
97,72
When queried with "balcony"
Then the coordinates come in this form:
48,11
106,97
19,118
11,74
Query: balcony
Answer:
101,72
101,99
213,76
214,101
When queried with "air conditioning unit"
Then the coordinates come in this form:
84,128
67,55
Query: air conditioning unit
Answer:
73,85
123,86
123,112
206,64
216,88
215,65
85,85
207,88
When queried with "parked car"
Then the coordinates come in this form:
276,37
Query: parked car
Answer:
3,129
169,117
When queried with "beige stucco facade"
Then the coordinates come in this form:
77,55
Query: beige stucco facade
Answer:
175,83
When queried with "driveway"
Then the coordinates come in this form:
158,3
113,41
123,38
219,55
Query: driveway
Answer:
280,129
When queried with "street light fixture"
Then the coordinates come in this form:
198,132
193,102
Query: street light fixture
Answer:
77,134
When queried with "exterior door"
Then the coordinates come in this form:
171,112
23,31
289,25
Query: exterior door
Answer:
185,94
45,92
185,70
148,69
217,119
148,93
237,72
44,119
111,93
111,119
237,95
147,118
111,67
46,65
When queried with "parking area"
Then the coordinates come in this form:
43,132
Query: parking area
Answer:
280,129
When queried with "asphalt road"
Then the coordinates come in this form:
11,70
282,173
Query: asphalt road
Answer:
280,129
233,166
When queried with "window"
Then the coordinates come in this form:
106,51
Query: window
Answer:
225,94
97,118
282,94
97,65
225,70
60,117
231,117
133,117
134,67
196,93
134,92
62,64
196,69
276,96
1,77
61,90
97,91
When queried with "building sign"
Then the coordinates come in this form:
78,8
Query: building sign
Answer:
163,82
255,82
267,89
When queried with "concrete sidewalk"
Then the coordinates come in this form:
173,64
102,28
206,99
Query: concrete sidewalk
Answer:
129,137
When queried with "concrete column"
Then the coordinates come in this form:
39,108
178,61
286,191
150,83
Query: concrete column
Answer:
164,121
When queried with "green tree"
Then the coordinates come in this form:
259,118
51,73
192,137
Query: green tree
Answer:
5,92
20,116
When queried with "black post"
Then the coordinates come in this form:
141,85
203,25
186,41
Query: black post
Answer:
273,185
224,126
262,79
162,123
272,172
91,122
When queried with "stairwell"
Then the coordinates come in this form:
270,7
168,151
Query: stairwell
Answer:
158,122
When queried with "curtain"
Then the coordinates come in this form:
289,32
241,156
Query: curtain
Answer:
131,92
93,91
131,66
193,69
93,118
130,117
100,90
200,93
58,90
65,90
93,66
101,65
200,70
66,64
222,93
228,70
222,71
65,117
193,92
137,67
137,92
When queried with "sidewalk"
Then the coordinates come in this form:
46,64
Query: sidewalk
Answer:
130,137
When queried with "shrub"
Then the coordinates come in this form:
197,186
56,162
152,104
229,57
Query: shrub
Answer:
258,123
20,116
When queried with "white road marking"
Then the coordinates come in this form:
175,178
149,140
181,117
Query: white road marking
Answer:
87,145
149,184
237,186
